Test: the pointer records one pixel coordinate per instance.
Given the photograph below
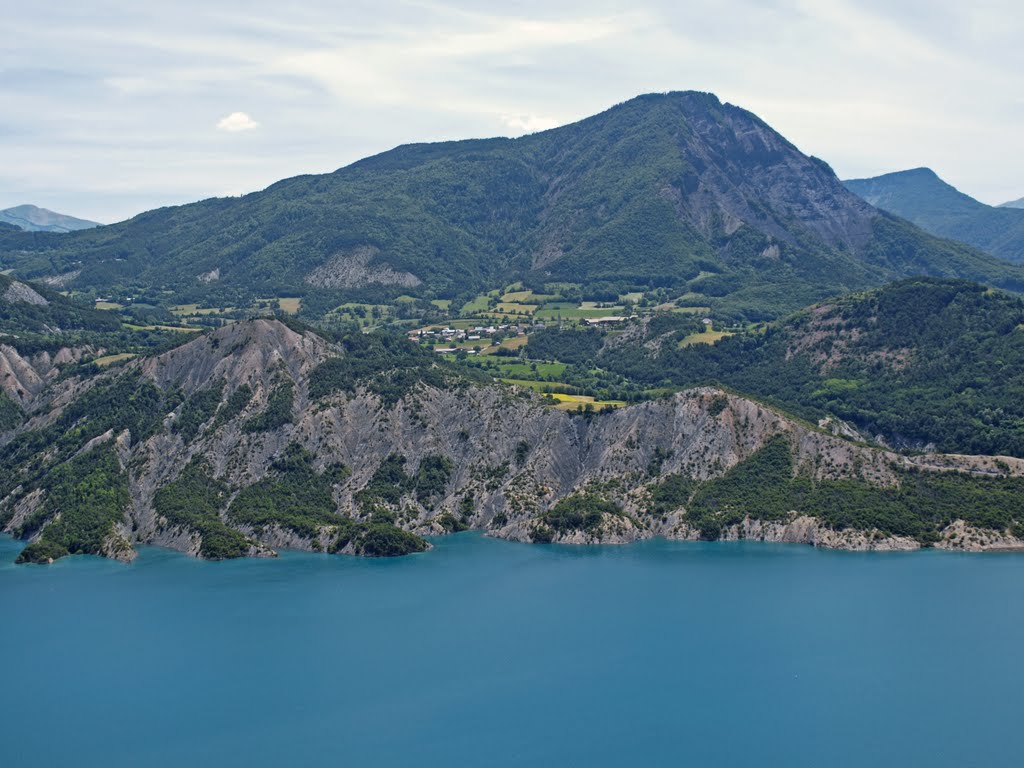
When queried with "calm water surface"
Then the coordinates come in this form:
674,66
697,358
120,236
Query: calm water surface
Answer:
486,653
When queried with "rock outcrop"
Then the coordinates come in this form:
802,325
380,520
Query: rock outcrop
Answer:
18,291
359,268
24,377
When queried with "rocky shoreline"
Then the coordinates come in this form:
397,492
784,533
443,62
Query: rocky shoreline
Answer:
508,459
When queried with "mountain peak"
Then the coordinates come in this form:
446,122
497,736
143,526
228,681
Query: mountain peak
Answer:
922,185
923,172
32,218
919,175
689,98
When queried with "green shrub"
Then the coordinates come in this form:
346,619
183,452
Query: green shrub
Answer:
921,504
293,496
197,410
579,512
90,492
390,481
386,364
760,487
10,412
522,451
671,494
384,540
451,524
194,501
237,402
432,478
278,411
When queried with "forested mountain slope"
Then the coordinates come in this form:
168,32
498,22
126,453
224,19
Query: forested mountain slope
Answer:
922,363
669,189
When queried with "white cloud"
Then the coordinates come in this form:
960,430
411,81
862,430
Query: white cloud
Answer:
235,122
868,85
520,124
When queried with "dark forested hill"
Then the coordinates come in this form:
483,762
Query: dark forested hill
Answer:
918,362
922,197
672,189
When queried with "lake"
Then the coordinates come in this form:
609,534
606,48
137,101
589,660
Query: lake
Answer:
489,653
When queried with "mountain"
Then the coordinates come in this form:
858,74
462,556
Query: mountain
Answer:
675,190
1013,204
921,364
920,196
255,436
33,219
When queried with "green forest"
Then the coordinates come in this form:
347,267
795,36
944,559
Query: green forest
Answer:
920,362
767,487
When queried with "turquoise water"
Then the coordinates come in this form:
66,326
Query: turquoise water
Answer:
486,653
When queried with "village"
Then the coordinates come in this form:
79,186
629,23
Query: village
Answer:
474,338
445,340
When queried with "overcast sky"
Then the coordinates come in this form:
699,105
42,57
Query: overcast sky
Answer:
113,107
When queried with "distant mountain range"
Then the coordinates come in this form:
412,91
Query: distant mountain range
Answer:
31,218
922,197
675,190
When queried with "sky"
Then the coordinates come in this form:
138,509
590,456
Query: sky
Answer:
113,107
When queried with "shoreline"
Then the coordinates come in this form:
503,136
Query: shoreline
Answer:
440,540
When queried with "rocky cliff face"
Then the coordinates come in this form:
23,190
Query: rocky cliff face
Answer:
501,459
737,170
24,377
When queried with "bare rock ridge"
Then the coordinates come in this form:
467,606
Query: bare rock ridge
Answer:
241,353
241,405
738,159
22,378
18,291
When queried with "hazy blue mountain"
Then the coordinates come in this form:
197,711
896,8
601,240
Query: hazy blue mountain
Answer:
31,218
922,197
1013,204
